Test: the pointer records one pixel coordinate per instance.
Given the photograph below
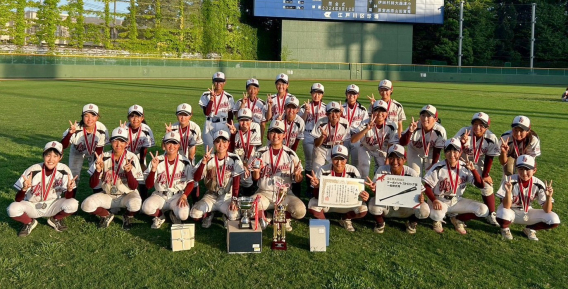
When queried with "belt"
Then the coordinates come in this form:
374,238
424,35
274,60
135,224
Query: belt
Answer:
326,146
308,130
449,197
217,119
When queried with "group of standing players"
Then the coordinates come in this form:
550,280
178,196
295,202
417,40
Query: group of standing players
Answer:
235,163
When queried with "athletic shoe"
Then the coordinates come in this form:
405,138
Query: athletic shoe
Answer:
174,218
437,226
506,233
492,219
127,222
105,221
379,228
58,225
158,221
27,228
206,223
459,225
225,221
289,225
347,225
411,227
530,233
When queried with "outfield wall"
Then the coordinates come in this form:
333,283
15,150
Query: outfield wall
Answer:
54,67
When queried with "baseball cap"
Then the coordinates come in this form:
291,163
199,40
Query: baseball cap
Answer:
339,151
219,77
172,136
483,117
136,109
183,108
282,77
380,104
453,143
244,113
221,133
119,133
293,100
317,87
332,106
385,83
430,109
525,161
277,125
54,145
253,81
93,108
398,150
352,88
522,122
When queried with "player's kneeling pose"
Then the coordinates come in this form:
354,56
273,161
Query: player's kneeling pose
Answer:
45,190
445,184
338,168
517,192
222,173
172,177
116,174
396,158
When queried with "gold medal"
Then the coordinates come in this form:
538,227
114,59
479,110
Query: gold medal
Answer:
526,218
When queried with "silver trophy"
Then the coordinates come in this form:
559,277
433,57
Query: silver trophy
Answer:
245,206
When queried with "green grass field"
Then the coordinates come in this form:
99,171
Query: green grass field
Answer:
35,112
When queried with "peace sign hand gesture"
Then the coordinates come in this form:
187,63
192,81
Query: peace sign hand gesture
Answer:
269,100
169,127
27,182
122,125
369,183
508,185
72,127
314,181
297,170
371,98
128,165
549,191
465,137
245,99
372,123
99,162
468,164
232,127
71,183
207,155
155,161
504,145
413,126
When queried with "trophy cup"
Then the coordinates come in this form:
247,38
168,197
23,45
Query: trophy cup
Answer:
279,220
245,206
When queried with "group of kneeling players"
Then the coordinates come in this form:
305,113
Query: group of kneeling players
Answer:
235,163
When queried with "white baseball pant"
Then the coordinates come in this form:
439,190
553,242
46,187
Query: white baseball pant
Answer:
321,156
308,145
159,201
293,204
421,212
364,164
463,206
76,161
415,162
131,201
210,203
17,209
516,215
313,205
353,149
209,131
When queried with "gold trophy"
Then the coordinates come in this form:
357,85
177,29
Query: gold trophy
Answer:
279,220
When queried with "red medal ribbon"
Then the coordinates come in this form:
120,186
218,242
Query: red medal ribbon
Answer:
45,190
134,145
170,179
334,133
220,175
380,140
316,113
115,173
388,108
525,201
253,105
350,118
477,152
217,105
275,166
334,175
454,187
517,148
288,132
91,147
184,138
246,147
280,108
426,147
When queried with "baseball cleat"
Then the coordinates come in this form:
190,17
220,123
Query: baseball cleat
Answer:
158,221
347,224
506,233
127,222
492,219
105,221
379,228
174,218
58,225
437,226
225,221
206,223
411,227
459,225
530,233
27,228
289,225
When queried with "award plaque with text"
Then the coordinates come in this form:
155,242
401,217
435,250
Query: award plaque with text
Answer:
398,191
336,192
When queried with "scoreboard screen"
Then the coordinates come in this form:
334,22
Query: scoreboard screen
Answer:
413,11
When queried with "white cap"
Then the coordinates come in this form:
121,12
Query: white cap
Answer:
430,109
317,87
339,151
244,113
398,150
54,145
334,105
137,109
120,134
221,133
522,122
219,76
293,100
172,136
277,125
525,161
353,88
253,81
454,142
91,108
483,117
380,104
282,77
385,83
183,108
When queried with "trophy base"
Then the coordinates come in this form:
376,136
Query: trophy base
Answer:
279,245
244,226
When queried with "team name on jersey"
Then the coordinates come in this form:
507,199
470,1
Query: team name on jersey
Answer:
162,178
267,170
36,190
109,176
446,186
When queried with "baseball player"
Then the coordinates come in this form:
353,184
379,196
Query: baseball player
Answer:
251,101
311,112
481,146
277,162
87,138
44,190
328,131
277,102
445,184
397,159
245,140
222,174
295,128
425,140
118,174
520,140
394,108
189,131
565,95
355,113
375,136
337,168
172,177
517,192
218,106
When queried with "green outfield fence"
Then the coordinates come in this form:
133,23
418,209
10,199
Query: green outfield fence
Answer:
50,66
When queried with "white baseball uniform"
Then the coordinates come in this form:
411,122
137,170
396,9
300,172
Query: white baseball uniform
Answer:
335,135
354,116
529,146
218,117
294,130
190,136
245,145
143,137
375,144
83,145
419,141
258,108
395,111
315,112
278,105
